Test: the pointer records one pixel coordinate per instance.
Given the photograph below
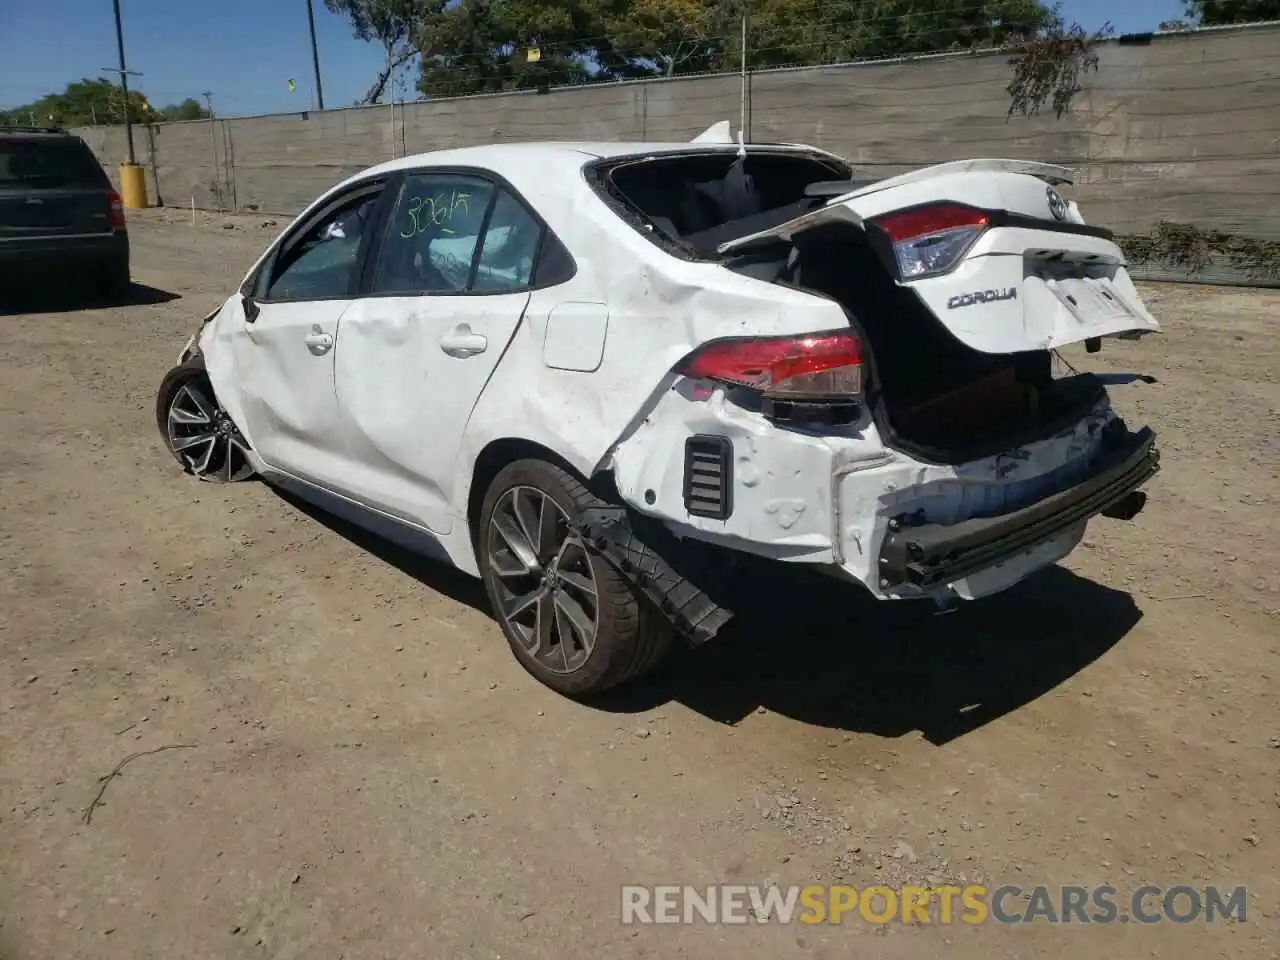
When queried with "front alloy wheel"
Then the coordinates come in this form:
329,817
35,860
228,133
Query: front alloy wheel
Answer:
199,433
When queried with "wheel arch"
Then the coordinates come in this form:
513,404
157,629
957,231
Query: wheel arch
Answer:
490,461
498,453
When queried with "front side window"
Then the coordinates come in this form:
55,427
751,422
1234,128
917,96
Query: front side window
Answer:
432,235
323,263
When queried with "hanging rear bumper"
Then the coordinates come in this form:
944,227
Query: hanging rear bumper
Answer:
920,558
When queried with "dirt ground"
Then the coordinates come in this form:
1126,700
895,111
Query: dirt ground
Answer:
356,766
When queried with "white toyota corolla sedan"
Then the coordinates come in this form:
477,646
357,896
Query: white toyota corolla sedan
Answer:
598,376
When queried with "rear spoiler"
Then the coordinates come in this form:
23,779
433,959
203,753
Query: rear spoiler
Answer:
1048,172
839,194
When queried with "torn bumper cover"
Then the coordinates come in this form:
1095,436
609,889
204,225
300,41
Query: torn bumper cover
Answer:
609,533
918,558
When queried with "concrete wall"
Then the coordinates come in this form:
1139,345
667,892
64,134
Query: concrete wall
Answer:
1185,127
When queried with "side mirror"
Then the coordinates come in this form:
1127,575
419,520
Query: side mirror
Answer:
251,309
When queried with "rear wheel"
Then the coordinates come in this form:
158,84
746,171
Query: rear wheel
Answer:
112,278
570,618
199,433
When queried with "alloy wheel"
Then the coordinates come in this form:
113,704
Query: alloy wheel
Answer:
547,593
204,437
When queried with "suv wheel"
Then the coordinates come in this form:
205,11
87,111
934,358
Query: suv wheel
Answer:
113,279
570,618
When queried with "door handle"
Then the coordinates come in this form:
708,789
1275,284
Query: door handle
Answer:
317,341
461,342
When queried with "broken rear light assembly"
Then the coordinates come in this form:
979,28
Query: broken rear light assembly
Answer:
929,241
815,377
115,211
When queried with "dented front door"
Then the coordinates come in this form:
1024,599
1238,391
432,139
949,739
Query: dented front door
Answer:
285,337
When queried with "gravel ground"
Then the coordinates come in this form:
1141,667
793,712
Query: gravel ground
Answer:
351,764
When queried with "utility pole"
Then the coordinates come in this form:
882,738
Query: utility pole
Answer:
742,118
124,81
213,143
315,53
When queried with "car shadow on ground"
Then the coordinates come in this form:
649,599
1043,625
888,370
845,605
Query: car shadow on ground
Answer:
829,656
432,574
826,654
70,297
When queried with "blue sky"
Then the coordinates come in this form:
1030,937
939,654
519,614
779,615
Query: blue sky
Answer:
246,51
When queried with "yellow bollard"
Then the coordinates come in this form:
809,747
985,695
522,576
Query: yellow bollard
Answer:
133,186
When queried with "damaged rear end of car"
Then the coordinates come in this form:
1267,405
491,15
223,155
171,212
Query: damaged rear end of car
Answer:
919,442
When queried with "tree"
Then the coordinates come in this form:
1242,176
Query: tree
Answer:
476,46
188,109
801,32
675,36
1212,13
389,23
97,103
83,103
1047,66
487,46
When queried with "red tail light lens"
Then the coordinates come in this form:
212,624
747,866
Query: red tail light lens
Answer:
812,367
931,240
115,212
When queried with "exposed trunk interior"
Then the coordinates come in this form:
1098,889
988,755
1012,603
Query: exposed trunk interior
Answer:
698,201
934,396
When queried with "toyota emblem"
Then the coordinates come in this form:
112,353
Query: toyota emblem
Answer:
1057,206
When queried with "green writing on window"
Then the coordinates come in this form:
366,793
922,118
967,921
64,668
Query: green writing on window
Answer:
423,213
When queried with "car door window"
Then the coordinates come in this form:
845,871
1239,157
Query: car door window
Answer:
510,247
322,264
432,235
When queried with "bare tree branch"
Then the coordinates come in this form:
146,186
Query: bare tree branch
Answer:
384,76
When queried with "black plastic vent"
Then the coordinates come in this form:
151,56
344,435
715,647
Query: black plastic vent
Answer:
708,477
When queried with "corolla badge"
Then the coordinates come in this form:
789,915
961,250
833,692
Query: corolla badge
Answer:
1057,206
982,296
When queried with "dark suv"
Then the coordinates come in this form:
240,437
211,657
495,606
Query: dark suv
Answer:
58,212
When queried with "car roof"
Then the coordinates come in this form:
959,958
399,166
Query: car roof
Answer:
37,133
498,156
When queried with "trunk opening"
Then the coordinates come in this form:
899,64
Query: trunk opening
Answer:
932,396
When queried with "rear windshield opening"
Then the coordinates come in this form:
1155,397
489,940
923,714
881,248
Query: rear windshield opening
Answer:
702,200
48,163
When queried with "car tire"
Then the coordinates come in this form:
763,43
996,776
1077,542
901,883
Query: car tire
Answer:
630,636
185,399
113,280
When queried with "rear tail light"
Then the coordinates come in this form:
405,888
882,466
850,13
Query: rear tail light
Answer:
115,211
931,240
815,367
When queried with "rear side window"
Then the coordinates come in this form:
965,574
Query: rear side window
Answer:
432,234
510,247
48,164
456,233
